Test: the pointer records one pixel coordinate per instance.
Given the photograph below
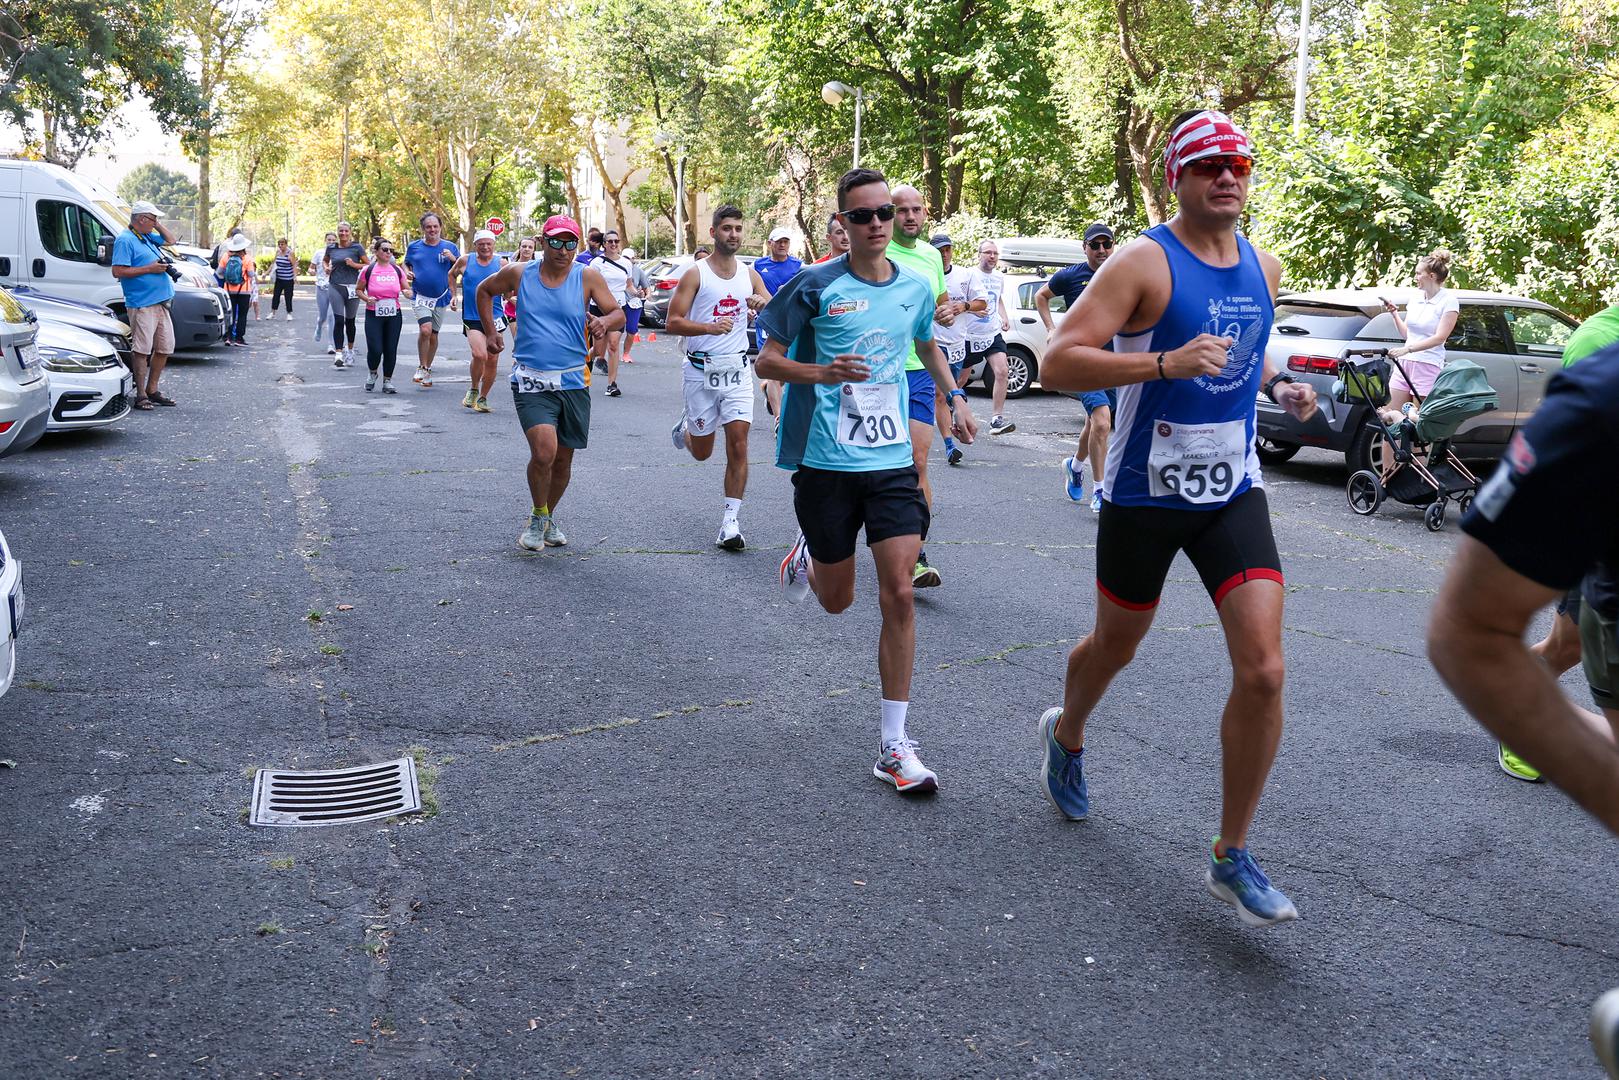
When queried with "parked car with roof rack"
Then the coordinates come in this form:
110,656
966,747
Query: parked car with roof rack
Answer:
1518,341
1028,262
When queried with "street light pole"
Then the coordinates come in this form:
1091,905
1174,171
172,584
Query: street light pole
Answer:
680,206
1299,76
833,93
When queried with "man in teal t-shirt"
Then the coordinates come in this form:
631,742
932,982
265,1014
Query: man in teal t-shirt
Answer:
915,256
838,335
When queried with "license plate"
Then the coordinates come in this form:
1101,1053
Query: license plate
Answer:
128,386
29,355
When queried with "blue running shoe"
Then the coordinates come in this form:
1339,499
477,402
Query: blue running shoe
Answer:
1605,1031
1074,476
1062,775
1239,881
1096,501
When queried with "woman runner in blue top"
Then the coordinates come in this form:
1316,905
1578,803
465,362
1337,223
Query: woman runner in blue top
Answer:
1188,307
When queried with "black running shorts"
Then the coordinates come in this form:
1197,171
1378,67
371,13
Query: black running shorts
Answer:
566,410
1135,546
833,506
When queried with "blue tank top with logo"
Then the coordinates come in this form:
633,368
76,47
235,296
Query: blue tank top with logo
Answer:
1188,444
550,332
471,276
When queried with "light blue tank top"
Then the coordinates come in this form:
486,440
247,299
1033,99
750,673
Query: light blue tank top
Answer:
1188,444
471,276
550,332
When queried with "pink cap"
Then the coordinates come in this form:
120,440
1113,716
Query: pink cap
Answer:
557,224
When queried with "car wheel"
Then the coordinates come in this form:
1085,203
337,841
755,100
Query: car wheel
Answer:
1365,453
1365,492
1272,452
1020,373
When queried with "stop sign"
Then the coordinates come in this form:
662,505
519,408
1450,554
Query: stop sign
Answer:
495,225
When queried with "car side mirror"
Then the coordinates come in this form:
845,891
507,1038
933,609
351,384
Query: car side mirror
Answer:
104,250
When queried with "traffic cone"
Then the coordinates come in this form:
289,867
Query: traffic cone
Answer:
652,335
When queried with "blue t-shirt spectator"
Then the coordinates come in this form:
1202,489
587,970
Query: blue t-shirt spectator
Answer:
430,266
776,274
131,249
1070,281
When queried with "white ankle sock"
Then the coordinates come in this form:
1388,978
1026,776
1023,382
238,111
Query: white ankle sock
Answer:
732,508
894,720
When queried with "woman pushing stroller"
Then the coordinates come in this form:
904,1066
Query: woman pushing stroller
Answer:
1426,325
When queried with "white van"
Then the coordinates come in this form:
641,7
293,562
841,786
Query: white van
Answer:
56,236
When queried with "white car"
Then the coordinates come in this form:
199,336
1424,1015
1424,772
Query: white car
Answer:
11,612
25,389
90,386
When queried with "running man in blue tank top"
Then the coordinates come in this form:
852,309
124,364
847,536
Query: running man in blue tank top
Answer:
838,334
1188,307
466,275
550,380
430,260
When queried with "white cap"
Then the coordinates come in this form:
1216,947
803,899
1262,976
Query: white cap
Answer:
482,234
780,233
629,253
239,242
144,207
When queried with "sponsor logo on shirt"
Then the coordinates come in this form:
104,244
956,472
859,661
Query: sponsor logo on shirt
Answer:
1520,454
846,307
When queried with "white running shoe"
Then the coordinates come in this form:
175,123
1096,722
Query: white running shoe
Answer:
677,434
795,571
730,537
554,537
533,537
898,764
418,376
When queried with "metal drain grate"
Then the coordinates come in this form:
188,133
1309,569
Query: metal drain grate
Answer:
335,797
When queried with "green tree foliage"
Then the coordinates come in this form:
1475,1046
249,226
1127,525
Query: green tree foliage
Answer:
66,66
172,191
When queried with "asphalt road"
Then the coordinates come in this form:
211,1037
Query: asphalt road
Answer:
659,850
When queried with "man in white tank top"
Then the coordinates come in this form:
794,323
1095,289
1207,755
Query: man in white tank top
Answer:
615,269
710,309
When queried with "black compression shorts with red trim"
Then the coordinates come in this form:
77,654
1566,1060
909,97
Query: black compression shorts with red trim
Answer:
1135,546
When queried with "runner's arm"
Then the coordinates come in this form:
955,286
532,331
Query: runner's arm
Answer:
612,316
1006,319
772,363
1042,306
1297,398
932,358
679,320
761,295
1076,361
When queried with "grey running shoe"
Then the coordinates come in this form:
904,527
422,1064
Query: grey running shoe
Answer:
388,387
533,537
677,434
370,382
554,537
1000,425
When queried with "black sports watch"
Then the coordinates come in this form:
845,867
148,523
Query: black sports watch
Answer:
1270,386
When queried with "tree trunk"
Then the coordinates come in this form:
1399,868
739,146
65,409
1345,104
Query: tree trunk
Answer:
573,193
205,222
1124,180
343,169
956,171
1143,132
464,180
615,192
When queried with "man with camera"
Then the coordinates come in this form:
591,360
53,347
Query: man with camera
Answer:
148,282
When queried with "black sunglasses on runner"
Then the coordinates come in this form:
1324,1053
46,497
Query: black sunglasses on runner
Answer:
862,215
1099,245
557,243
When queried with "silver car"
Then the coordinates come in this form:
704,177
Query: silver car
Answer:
1517,341
25,390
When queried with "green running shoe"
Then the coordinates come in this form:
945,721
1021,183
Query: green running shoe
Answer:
1515,766
466,402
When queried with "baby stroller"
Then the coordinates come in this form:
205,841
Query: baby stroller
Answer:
1461,392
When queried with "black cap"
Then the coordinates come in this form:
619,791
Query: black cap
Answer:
940,240
1092,232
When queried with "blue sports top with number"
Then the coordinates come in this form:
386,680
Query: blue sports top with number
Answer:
550,331
827,310
1188,444
472,276
430,265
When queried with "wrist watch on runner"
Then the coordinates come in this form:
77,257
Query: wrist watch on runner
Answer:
1270,386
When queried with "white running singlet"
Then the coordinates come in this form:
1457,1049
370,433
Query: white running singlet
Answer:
718,298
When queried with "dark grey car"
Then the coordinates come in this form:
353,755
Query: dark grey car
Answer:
1517,341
